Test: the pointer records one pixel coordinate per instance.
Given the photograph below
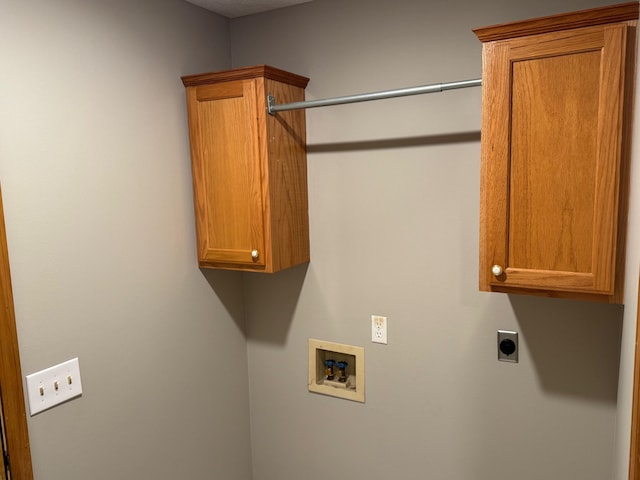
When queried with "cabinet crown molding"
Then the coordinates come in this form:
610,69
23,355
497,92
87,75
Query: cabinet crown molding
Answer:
246,73
563,21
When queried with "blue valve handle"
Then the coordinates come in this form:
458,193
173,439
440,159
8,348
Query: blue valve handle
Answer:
342,366
328,371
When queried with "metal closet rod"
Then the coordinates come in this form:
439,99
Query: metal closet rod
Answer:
272,107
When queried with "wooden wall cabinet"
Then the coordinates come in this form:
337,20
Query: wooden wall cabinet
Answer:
249,169
557,100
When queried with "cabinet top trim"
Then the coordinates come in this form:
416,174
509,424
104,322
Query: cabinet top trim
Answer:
246,73
564,21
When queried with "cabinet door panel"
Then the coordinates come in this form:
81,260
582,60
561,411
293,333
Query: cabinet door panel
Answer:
552,183
551,160
228,167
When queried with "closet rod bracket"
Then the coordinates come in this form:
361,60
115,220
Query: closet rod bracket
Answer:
271,103
273,108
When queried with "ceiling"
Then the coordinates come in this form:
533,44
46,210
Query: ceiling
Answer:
239,8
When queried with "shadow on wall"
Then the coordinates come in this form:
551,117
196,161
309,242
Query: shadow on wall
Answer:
423,141
574,346
270,303
227,286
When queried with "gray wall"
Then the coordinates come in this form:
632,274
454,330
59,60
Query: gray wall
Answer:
394,190
94,165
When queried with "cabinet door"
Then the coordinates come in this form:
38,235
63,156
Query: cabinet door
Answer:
552,141
227,174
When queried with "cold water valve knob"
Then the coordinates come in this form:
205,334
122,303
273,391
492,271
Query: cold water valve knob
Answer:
342,369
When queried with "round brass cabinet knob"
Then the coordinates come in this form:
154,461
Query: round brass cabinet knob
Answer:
254,254
496,270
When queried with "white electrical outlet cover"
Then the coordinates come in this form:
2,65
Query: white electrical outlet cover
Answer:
378,329
53,386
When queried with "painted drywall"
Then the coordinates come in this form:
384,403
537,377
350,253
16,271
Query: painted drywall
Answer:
393,202
97,194
96,180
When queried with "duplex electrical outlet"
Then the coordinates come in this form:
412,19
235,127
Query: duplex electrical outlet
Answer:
54,385
378,329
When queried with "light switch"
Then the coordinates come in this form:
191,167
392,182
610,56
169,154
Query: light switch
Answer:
53,386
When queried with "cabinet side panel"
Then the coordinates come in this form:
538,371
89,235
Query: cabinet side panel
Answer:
611,170
287,170
627,129
553,162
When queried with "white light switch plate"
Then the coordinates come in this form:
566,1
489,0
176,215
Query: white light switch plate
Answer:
53,386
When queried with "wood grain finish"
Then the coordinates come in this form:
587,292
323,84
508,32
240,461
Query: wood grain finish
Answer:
249,170
246,73
564,21
13,404
287,206
551,232
554,160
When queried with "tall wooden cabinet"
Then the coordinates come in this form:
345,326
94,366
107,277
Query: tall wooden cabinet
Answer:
249,169
557,100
